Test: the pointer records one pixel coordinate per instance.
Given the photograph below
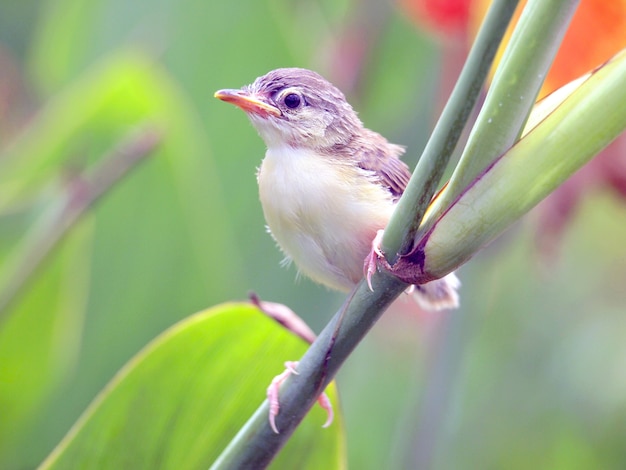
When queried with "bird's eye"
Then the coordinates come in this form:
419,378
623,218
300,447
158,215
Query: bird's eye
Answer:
292,100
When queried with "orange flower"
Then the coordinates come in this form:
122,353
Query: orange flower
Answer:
596,33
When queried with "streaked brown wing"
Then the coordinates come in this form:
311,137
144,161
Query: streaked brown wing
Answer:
381,157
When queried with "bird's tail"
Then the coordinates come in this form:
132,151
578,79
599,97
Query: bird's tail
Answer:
439,294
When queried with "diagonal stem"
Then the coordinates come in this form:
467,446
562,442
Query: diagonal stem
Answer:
400,233
81,194
255,445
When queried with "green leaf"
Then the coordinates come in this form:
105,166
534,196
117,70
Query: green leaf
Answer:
179,402
159,221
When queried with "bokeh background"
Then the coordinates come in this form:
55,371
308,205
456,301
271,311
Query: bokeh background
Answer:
529,373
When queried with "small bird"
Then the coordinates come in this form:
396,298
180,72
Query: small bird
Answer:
328,187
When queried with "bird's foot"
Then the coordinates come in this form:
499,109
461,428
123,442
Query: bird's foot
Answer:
438,294
371,261
272,397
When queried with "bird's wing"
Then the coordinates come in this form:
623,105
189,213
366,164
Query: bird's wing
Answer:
383,160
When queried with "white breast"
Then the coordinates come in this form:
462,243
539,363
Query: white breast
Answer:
324,214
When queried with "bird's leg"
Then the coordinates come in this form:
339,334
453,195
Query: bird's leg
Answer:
272,397
370,265
286,317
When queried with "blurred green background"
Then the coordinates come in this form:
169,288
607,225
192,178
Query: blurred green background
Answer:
530,372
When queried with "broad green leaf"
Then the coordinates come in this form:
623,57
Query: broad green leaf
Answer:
178,403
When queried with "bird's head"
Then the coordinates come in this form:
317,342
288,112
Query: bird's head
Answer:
296,107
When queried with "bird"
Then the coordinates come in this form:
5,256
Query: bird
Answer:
328,185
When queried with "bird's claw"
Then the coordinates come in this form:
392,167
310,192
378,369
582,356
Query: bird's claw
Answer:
272,392
274,405
370,265
325,403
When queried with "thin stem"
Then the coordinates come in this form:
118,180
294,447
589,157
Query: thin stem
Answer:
81,194
400,233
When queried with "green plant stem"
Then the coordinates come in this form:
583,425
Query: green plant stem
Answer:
401,230
82,193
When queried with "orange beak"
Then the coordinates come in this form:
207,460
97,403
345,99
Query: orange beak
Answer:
247,102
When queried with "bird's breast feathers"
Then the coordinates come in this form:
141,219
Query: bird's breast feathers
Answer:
323,213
